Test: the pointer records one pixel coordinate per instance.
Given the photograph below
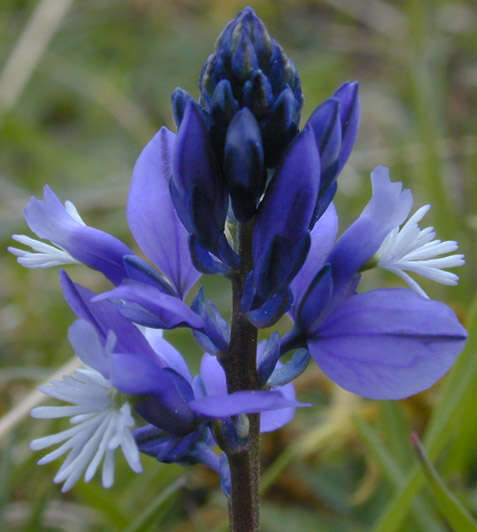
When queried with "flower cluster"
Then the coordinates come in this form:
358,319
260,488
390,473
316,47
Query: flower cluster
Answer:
238,191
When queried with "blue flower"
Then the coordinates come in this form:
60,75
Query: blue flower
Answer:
152,218
170,400
383,344
126,368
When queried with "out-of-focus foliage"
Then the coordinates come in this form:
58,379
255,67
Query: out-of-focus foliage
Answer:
97,93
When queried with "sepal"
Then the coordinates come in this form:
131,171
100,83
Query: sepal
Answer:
268,356
281,238
272,310
335,124
204,260
279,265
196,187
216,335
348,95
291,370
326,125
225,476
167,448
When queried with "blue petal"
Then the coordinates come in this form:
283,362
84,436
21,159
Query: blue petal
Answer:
152,217
104,316
164,393
389,206
323,237
49,219
388,344
87,344
139,270
168,311
271,420
168,354
242,402
213,376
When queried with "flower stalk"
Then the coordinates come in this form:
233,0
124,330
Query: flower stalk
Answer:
241,372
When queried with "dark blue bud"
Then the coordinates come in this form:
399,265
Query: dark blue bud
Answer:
139,270
291,370
211,73
244,59
180,98
243,164
280,71
315,301
258,72
196,186
223,104
248,23
268,356
216,335
281,126
257,94
223,107
272,310
281,239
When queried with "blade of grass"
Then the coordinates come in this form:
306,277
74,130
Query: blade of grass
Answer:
43,24
5,467
396,429
35,521
457,516
152,512
392,470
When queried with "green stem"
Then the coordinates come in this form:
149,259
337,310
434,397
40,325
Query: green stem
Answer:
239,363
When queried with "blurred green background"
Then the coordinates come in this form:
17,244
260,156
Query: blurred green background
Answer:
83,86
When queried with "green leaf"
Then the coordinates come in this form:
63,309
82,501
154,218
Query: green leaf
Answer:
451,508
157,507
392,470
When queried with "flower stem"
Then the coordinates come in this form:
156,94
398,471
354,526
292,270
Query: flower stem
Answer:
241,370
